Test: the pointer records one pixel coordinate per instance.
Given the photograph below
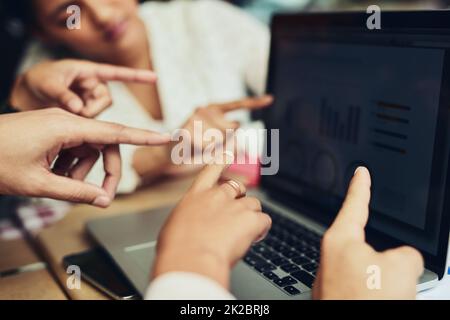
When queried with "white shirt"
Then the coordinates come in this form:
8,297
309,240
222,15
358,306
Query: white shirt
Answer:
204,51
186,286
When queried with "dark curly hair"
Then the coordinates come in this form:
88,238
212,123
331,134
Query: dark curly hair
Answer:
22,10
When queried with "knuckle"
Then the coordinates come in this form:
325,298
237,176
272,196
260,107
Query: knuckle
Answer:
268,219
108,99
253,216
241,206
199,111
392,256
119,128
412,255
88,114
329,240
219,195
255,203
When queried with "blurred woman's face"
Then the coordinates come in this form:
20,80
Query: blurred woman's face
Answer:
109,28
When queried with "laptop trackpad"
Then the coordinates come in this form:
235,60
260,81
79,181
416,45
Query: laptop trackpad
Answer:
143,255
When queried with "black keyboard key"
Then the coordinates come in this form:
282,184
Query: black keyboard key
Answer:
270,275
302,248
254,260
266,267
260,249
290,268
290,253
310,267
292,290
313,245
313,255
270,255
292,241
280,261
273,243
270,242
275,232
301,260
304,277
280,248
286,281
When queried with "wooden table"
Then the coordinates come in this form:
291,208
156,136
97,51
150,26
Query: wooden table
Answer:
69,236
24,276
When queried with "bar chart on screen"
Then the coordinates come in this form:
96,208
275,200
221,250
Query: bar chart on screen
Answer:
340,124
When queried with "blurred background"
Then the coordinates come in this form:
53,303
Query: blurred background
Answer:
13,38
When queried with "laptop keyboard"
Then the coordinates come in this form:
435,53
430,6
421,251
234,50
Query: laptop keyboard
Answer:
290,254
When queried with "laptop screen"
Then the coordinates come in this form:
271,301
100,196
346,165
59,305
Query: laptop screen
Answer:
346,97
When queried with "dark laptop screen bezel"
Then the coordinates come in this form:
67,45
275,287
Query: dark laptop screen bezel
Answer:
424,22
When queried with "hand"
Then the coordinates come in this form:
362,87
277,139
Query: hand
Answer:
210,117
214,117
74,85
346,257
211,229
32,141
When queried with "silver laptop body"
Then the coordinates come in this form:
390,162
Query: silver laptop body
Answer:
131,239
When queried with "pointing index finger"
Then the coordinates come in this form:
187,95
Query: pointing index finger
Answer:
247,104
355,210
105,133
107,72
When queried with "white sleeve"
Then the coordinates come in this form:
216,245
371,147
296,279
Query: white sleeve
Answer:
34,53
257,54
247,37
186,286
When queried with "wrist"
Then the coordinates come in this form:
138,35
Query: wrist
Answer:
199,262
150,161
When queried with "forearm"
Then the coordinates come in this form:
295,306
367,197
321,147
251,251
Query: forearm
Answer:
151,163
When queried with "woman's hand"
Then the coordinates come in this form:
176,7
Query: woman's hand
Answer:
48,153
211,229
347,261
214,117
210,117
77,86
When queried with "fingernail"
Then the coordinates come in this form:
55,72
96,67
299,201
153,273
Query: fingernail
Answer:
147,74
357,169
102,202
161,138
264,236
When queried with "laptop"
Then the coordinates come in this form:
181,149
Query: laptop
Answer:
346,96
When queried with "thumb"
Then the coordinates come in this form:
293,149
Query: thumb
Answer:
63,188
64,97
